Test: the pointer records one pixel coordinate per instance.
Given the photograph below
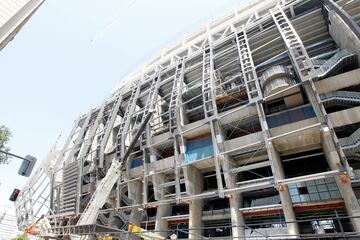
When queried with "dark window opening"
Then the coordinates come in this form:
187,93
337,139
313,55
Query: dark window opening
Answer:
275,106
180,209
216,204
256,174
210,182
310,165
303,190
236,130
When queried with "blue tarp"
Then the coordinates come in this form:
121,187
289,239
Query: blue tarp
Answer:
136,163
291,116
198,149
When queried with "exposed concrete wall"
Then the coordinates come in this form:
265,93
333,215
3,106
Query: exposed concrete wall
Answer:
345,117
306,138
243,141
343,35
337,82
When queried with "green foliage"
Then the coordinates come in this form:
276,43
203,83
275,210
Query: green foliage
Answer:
5,136
21,236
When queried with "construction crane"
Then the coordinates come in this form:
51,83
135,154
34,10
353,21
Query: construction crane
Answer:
103,190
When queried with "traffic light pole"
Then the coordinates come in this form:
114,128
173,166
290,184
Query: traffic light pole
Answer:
27,164
14,155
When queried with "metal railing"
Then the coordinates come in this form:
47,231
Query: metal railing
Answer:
332,62
341,95
352,141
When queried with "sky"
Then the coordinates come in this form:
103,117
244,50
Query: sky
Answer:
69,57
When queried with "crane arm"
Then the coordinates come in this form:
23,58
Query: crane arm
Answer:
103,190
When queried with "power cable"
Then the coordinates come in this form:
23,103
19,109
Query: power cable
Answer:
111,23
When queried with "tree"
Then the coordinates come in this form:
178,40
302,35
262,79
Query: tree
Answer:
21,236
5,136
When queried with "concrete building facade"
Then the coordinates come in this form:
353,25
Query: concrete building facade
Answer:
255,132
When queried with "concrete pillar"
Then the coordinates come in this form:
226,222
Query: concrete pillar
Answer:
278,173
161,225
194,185
135,193
237,218
286,202
235,200
347,193
195,222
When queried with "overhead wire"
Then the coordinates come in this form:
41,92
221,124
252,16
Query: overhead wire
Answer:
112,22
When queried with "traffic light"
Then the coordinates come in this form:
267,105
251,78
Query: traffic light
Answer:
27,166
14,195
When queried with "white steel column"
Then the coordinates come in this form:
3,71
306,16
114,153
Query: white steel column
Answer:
278,172
306,72
255,95
235,199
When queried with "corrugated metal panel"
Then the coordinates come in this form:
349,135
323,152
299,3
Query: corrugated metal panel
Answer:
13,15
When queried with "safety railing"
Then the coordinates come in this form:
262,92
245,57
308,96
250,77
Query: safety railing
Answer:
332,62
352,141
341,95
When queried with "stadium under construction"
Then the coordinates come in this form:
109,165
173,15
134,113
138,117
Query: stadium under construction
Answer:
248,128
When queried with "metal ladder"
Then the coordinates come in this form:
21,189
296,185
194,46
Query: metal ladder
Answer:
144,135
103,190
247,67
79,140
59,163
71,174
108,126
84,152
175,100
306,72
296,49
88,142
124,125
175,97
210,108
253,88
150,102
208,85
